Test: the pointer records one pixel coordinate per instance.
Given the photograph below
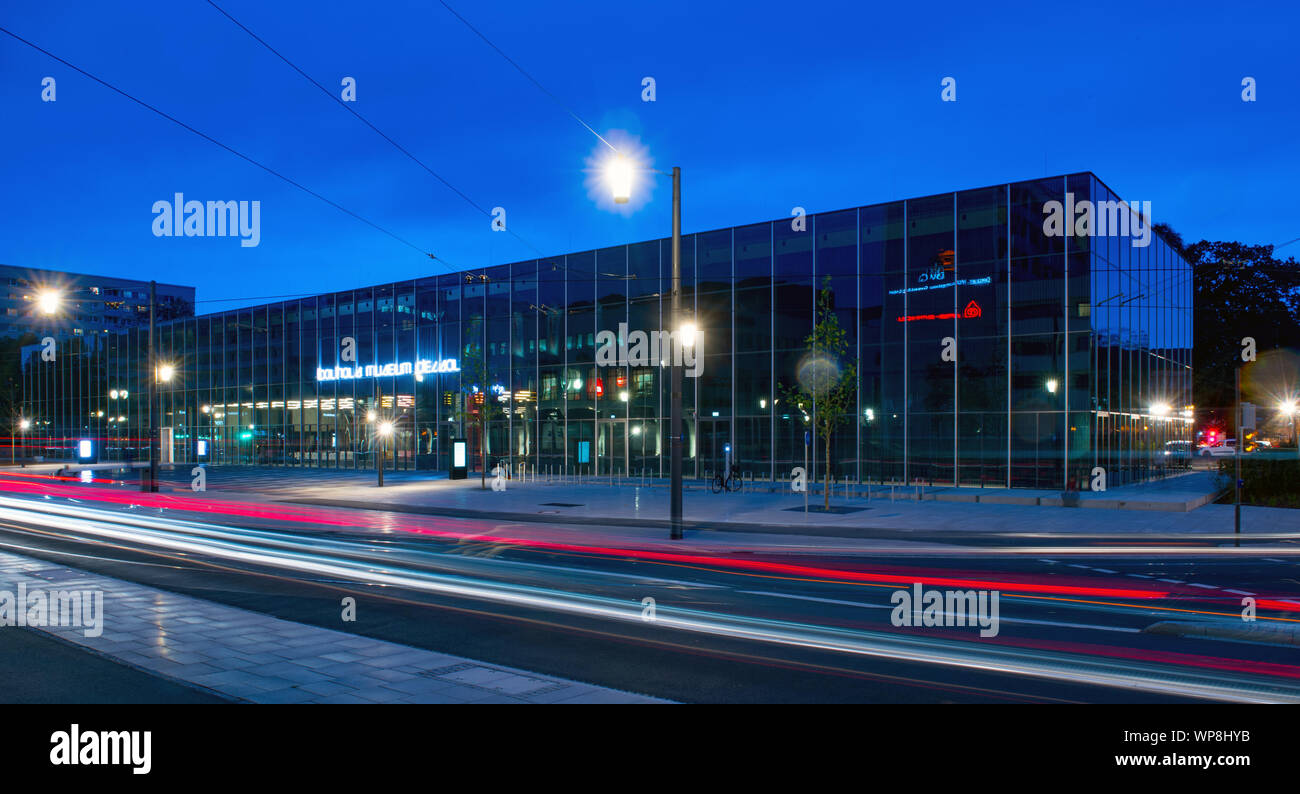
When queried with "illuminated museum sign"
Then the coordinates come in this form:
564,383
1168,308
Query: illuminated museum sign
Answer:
961,282
423,366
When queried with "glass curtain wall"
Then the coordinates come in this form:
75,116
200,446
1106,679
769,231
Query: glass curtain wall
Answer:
988,354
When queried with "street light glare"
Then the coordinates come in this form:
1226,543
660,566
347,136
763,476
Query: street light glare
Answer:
619,172
25,424
48,301
1288,407
1051,385
385,428
165,373
687,334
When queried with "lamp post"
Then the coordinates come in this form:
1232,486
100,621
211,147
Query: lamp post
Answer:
23,425
385,430
148,482
620,174
675,499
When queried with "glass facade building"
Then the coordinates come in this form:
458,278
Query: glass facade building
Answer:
1071,352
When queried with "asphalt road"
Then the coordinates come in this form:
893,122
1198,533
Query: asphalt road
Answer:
36,668
1053,627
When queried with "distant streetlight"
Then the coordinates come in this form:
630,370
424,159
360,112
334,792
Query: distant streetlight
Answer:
1160,409
1290,408
165,373
1051,385
620,173
23,424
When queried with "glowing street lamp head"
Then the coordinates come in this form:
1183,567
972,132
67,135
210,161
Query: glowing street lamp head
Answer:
1160,409
25,424
48,301
619,173
385,428
1288,407
687,334
1051,385
166,372
370,416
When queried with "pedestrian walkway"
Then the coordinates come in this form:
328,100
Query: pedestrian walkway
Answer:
858,516
250,657
882,513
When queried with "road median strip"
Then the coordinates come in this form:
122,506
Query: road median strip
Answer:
1270,633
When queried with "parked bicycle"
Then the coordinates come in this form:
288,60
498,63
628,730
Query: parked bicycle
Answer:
731,482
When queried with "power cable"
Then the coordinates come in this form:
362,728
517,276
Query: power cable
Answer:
233,151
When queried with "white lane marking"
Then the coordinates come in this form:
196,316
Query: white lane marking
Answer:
1204,586
1049,562
1104,570
1002,619
1085,567
1071,625
1238,592
1172,581
812,598
1273,559
544,567
1140,576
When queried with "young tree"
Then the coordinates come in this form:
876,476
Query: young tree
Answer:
1240,290
825,388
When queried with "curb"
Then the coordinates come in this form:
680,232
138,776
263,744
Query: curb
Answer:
1271,634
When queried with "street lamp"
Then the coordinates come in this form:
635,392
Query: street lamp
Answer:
1051,385
619,171
620,179
385,430
23,424
1290,408
152,375
48,301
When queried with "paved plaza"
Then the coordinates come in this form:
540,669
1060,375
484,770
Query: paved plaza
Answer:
245,656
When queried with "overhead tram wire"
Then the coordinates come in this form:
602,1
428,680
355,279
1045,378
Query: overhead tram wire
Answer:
530,78
367,122
233,151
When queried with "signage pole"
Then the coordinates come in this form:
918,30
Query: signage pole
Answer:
1236,509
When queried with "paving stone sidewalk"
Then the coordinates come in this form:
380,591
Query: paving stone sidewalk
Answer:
250,657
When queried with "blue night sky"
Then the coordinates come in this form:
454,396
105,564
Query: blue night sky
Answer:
819,105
